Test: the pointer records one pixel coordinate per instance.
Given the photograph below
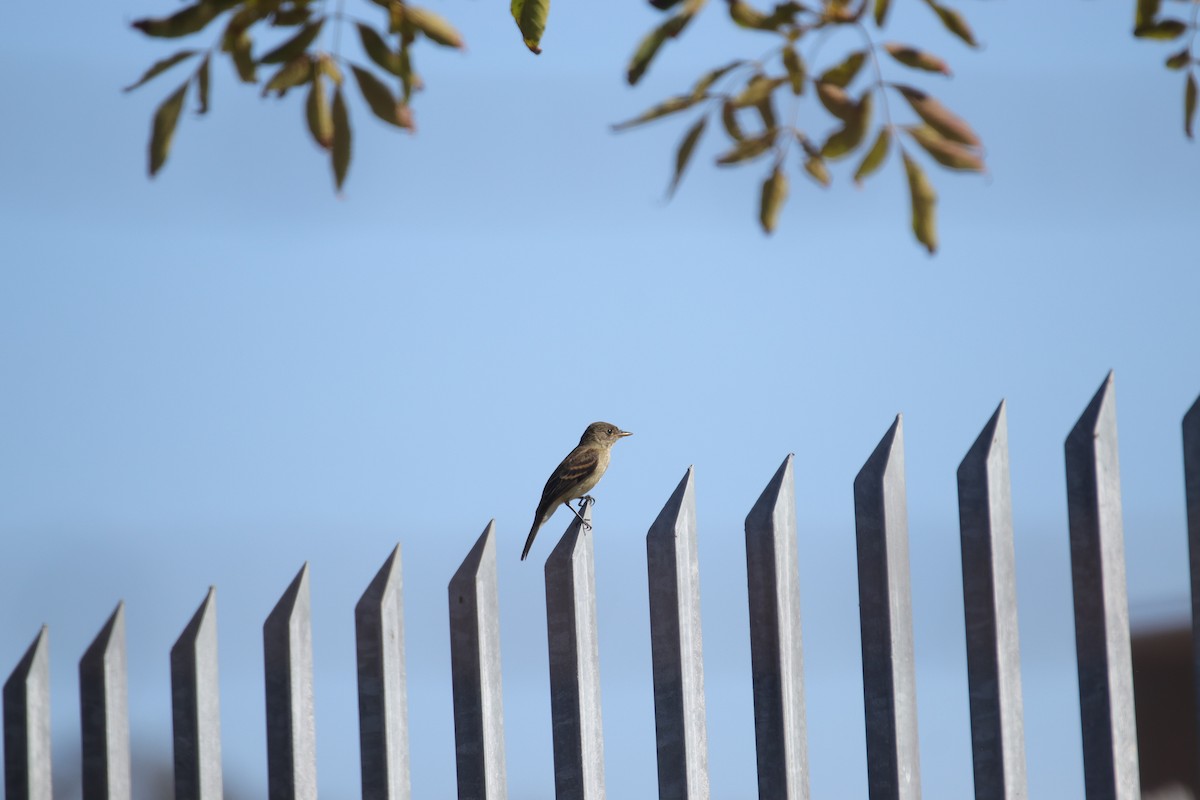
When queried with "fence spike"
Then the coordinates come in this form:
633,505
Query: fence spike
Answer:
990,609
27,743
475,668
291,728
196,706
1110,756
104,713
1191,470
575,664
676,643
382,693
885,612
776,644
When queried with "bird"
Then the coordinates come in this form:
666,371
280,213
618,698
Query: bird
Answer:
578,473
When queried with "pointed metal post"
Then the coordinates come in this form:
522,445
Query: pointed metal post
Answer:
673,569
382,692
885,612
104,713
1191,471
990,607
1110,756
575,665
776,647
196,706
27,724
475,668
291,726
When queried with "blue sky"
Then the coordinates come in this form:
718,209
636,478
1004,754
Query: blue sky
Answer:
215,376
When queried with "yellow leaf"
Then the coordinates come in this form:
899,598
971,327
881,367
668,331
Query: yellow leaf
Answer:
530,16
875,156
924,204
774,195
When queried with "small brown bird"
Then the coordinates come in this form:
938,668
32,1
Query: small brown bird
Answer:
576,475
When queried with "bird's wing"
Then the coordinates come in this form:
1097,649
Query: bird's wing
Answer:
581,463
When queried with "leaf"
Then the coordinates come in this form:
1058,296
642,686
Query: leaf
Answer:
665,108
435,27
294,73
774,195
700,89
758,88
160,67
328,67
1147,10
745,15
917,59
163,130
181,23
945,152
815,166
649,45
202,77
730,121
340,157
381,101
530,16
939,117
1163,30
319,114
684,154
924,204
795,68
294,46
239,52
1189,105
843,73
836,101
875,156
286,18
377,49
747,149
881,11
1179,60
850,135
954,22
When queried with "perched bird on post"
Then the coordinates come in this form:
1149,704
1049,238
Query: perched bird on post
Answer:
576,475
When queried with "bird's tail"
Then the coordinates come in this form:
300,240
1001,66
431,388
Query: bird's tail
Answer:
537,523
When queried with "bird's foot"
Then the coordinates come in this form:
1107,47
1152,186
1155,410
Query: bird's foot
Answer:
587,498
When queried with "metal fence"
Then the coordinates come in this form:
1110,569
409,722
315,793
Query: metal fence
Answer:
889,688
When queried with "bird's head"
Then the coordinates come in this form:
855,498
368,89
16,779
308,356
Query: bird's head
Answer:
604,433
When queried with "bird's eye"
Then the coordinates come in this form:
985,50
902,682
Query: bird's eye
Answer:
610,431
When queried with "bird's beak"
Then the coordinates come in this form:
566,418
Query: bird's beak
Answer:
624,433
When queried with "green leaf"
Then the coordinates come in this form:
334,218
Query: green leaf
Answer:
843,73
377,49
954,22
663,109
289,17
945,152
1163,30
328,67
700,89
650,44
938,116
160,67
684,154
530,16
924,204
917,59
163,130
381,101
435,27
294,46
881,11
1189,105
795,68
836,101
202,77
340,157
747,16
1179,60
747,149
319,114
815,166
296,72
774,195
181,23
844,140
875,156
239,53
758,88
730,121
1147,10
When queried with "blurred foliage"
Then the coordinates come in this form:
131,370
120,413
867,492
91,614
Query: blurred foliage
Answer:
755,104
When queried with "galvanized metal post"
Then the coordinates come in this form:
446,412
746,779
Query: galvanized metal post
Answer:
196,706
382,693
104,713
575,664
885,611
776,646
475,667
291,725
990,607
1191,471
27,743
673,569
1110,756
